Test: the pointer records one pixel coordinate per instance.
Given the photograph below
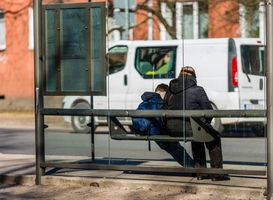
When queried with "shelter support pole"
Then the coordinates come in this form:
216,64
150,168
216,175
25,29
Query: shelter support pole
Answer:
269,95
39,119
92,126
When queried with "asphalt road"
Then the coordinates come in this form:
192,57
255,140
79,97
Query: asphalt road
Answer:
64,142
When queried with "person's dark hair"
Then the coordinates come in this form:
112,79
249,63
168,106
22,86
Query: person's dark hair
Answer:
162,88
188,71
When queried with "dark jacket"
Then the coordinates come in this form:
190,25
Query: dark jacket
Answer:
152,125
185,94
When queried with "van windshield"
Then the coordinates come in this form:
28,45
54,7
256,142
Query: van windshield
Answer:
117,58
253,60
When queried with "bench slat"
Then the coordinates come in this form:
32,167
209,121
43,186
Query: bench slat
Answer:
118,132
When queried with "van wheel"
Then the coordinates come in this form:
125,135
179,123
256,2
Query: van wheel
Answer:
79,123
216,122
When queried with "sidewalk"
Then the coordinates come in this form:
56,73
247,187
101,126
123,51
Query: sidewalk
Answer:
20,169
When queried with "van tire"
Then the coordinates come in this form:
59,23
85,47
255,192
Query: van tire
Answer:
79,123
216,122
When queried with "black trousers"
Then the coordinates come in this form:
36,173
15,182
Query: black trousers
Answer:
215,153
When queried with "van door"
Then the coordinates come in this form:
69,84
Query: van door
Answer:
251,76
151,64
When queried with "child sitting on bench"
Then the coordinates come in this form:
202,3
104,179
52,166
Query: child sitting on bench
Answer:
155,125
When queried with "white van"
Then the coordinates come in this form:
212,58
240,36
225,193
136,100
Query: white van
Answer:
231,70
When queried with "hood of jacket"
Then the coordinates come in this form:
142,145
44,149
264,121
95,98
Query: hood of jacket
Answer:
146,96
183,82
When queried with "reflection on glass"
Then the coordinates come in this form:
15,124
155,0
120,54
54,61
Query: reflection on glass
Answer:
73,49
50,51
96,48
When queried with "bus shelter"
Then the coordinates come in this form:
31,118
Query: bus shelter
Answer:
75,62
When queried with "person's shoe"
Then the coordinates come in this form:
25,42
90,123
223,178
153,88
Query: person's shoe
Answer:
203,177
220,178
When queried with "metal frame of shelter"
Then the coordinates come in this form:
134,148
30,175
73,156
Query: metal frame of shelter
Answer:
40,112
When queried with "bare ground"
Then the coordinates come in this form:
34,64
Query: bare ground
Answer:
95,192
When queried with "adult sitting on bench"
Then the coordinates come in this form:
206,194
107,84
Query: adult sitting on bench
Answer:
185,94
155,126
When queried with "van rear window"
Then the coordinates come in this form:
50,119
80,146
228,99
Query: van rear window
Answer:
156,62
253,60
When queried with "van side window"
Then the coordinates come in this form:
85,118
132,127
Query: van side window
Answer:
117,58
253,60
156,62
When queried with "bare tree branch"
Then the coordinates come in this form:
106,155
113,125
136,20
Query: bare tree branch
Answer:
231,16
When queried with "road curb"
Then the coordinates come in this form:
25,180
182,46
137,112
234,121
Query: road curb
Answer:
227,191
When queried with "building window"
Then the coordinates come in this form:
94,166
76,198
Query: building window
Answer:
2,31
124,18
203,18
191,20
30,28
167,14
188,21
252,20
194,19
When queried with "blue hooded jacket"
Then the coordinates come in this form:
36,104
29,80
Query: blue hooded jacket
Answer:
151,125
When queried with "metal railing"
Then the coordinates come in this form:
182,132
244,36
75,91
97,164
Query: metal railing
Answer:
154,113
142,113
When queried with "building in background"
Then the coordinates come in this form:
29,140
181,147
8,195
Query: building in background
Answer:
16,49
189,20
17,53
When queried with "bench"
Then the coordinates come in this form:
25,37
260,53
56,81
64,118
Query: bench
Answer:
118,132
